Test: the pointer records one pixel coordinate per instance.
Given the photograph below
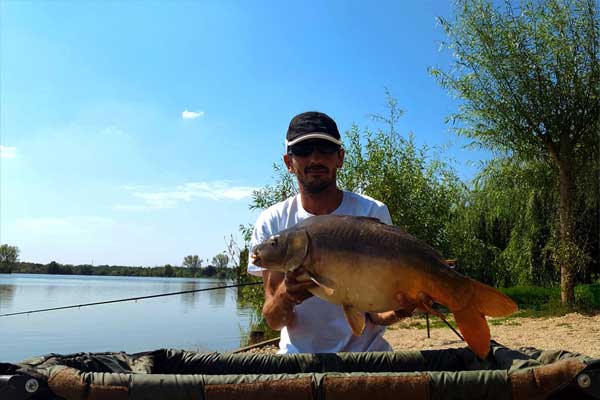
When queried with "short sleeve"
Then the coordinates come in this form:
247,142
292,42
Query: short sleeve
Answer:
263,229
383,214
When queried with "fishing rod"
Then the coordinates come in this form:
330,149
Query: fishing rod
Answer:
453,330
447,324
130,299
160,295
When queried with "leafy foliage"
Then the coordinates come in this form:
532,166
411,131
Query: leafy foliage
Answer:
503,230
284,187
526,75
9,255
540,298
529,79
419,189
220,260
193,262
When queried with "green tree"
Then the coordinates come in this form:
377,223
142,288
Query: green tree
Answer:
53,268
209,271
221,260
419,189
168,271
502,231
529,80
193,263
284,187
238,257
9,256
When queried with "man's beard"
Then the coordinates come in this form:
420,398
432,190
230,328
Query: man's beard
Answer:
316,186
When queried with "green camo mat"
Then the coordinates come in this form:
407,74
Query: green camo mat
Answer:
525,373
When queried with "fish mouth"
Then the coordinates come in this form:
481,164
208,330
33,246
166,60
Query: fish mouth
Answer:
255,259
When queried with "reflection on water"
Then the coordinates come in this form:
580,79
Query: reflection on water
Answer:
50,291
7,292
217,297
189,299
203,320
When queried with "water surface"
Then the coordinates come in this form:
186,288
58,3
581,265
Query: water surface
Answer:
205,321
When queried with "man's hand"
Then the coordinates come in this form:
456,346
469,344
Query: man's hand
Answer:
282,294
294,290
406,307
391,317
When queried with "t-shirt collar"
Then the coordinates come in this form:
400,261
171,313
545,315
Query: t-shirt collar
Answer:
305,214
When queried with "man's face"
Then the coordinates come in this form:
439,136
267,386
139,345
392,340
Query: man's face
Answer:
315,171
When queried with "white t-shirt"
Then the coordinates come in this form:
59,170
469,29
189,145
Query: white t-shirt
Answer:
321,326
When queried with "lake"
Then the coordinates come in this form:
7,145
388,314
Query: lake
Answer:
204,321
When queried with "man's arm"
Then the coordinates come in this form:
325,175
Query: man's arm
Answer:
282,294
388,317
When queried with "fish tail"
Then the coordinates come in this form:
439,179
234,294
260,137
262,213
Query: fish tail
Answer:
471,321
490,301
474,327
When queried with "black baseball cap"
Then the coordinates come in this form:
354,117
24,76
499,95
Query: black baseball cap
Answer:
312,125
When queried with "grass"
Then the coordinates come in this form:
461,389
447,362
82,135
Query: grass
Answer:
566,324
504,321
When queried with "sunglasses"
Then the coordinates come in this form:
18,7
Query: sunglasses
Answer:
306,149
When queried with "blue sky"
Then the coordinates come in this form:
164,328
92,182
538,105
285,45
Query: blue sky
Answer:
133,133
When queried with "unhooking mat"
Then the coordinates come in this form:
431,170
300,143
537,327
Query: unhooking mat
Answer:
526,374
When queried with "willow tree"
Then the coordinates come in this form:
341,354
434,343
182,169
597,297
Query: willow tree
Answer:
529,81
9,256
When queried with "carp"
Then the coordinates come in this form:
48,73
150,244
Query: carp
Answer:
361,264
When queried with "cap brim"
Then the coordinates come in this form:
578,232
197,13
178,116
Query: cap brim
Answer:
314,135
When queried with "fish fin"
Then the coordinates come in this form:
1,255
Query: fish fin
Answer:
356,319
371,219
486,300
328,291
490,301
324,283
474,327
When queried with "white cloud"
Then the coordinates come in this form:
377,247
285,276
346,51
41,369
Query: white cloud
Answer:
191,114
8,152
217,190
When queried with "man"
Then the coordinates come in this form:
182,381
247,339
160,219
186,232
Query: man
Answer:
309,324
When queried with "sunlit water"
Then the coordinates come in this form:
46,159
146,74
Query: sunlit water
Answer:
203,321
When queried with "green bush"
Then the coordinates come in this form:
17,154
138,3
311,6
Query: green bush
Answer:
587,297
532,297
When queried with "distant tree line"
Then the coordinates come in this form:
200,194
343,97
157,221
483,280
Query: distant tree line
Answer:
191,267
167,271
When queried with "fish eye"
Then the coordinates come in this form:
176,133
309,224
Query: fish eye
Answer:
274,240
